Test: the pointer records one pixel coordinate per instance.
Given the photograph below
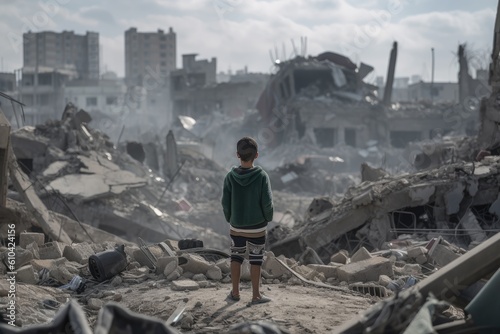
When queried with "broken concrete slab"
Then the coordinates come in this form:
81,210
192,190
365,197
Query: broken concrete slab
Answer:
414,252
33,248
214,273
340,257
360,255
327,270
453,198
182,285
165,261
193,263
366,270
363,199
472,227
369,173
26,274
78,252
24,187
421,194
54,168
26,238
442,255
51,250
23,257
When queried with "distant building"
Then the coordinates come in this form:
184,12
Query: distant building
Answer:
104,95
65,50
149,55
439,92
7,82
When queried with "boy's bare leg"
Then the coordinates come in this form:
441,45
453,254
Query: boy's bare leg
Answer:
255,276
235,277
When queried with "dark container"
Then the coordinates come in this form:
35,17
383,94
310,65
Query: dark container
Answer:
108,264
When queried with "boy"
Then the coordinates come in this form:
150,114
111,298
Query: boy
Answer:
247,202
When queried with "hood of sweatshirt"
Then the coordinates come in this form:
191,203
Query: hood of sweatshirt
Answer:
245,176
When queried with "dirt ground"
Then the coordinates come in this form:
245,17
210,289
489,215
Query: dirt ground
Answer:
296,308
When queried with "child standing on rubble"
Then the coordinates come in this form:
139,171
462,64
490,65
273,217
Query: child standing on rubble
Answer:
247,202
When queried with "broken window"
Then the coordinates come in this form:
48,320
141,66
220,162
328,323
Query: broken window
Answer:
91,101
111,100
400,139
325,137
350,137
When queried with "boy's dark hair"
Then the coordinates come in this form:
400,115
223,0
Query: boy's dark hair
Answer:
247,148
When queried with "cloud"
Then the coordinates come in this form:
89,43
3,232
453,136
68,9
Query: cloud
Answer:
241,33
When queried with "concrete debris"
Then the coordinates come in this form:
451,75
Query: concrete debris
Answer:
26,238
366,270
360,255
182,285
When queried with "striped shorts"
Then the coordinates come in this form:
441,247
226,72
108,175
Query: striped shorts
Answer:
255,247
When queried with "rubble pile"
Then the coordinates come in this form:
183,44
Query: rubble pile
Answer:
458,201
79,169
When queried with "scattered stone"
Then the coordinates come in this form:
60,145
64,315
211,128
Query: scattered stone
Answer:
272,267
411,269
442,255
384,280
214,273
366,270
187,321
50,250
360,255
26,274
117,297
327,271
164,262
174,275
421,259
199,277
26,238
224,265
116,281
193,263
33,248
78,252
23,257
226,279
415,252
183,285
94,304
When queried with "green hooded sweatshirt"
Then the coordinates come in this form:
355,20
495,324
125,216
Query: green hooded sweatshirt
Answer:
246,198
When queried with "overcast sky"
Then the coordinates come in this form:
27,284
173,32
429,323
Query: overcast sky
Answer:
241,32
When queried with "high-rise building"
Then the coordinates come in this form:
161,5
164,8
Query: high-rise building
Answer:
149,55
65,50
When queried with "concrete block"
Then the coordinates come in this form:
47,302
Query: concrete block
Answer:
140,257
384,280
174,275
360,255
163,262
224,265
183,285
366,270
199,278
23,257
95,304
171,267
61,274
26,274
363,199
78,252
193,263
327,271
415,252
50,250
411,269
421,259
26,238
214,273
340,257
442,255
49,264
33,248
309,256
273,267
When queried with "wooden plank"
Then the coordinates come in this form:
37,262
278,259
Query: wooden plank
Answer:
35,205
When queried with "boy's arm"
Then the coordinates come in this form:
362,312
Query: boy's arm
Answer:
267,199
226,199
